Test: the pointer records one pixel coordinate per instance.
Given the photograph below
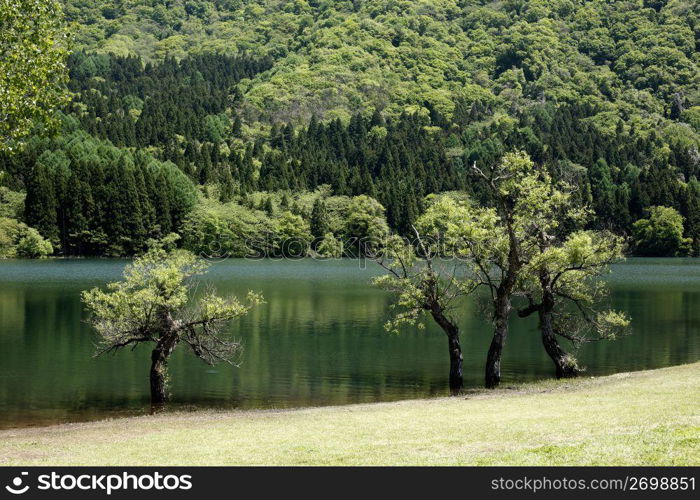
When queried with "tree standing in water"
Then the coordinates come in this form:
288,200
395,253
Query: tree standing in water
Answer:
527,245
151,306
564,292
560,267
422,287
526,202
430,273
498,243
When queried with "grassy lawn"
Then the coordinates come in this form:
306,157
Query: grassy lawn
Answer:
639,418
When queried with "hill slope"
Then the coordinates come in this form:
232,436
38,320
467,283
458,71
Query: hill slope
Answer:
334,57
387,98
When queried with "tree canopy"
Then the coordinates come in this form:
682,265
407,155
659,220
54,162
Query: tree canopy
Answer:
33,73
661,234
528,244
155,304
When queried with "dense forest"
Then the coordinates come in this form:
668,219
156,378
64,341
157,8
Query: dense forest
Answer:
234,121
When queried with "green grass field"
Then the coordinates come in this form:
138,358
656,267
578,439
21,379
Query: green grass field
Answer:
641,418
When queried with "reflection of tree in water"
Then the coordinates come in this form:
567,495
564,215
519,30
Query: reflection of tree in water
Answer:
318,340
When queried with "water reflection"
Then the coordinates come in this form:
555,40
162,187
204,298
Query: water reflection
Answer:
318,340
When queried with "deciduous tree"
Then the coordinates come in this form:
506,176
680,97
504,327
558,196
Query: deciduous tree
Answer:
33,73
661,234
423,287
563,287
155,304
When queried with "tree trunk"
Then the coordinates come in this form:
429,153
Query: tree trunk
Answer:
492,375
493,359
563,363
159,361
502,305
456,380
455,350
159,369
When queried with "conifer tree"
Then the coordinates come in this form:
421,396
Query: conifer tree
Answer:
319,219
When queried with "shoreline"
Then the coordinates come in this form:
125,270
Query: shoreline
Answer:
475,392
581,415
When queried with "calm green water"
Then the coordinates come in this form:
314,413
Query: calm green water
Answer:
319,340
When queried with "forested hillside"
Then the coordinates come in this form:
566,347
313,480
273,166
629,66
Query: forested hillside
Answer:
270,109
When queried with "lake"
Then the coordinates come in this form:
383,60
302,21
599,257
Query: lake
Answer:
319,340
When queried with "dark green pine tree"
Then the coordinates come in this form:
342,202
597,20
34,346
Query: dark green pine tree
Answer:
248,179
77,230
319,219
135,233
267,206
162,202
148,211
205,167
227,186
603,191
691,211
41,203
284,203
237,127
114,216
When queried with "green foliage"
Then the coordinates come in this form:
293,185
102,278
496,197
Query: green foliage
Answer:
366,222
33,48
319,223
154,280
393,100
330,247
90,198
661,234
17,240
570,270
11,203
422,288
258,225
692,117
31,245
333,57
225,230
294,235
453,226
185,103
529,245
157,289
528,202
